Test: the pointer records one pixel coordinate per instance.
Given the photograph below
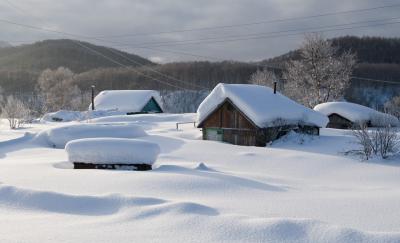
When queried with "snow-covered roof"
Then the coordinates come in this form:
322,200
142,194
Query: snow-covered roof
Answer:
125,100
356,113
261,105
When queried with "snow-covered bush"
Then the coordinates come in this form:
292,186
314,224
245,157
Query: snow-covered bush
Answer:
364,140
381,141
15,111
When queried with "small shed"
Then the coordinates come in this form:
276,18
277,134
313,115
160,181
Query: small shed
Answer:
129,101
346,115
253,115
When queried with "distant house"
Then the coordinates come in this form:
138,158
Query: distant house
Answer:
345,115
129,101
253,115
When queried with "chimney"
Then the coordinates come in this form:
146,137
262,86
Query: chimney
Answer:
93,97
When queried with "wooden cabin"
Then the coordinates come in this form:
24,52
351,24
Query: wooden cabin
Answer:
227,122
346,115
339,122
129,101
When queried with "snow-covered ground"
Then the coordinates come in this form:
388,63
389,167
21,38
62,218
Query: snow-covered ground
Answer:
300,189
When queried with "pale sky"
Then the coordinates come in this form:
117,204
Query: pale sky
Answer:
122,23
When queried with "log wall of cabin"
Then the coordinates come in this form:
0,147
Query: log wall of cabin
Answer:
227,116
237,129
337,121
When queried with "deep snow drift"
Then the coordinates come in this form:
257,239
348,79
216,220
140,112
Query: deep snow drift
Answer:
301,189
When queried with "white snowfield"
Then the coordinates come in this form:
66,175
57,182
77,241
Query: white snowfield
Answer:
66,116
261,105
198,191
357,113
58,137
112,150
125,100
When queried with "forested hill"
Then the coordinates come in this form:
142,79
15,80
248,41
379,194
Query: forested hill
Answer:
67,53
378,58
368,50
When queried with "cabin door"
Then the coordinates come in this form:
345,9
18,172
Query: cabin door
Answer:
215,134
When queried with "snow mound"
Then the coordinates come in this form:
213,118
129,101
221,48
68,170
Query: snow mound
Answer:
66,116
294,138
177,209
247,229
357,113
125,100
261,105
148,118
62,116
58,137
203,167
112,151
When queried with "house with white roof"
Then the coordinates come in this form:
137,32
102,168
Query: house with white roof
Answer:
253,115
346,115
129,101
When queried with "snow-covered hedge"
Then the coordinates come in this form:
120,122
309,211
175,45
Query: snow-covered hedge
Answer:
357,113
112,151
261,105
58,137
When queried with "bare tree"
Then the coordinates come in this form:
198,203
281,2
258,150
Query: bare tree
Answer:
321,75
58,89
15,111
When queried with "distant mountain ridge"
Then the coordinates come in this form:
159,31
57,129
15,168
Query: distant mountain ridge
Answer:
64,52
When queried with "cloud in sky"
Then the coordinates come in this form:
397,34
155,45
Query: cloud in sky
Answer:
125,17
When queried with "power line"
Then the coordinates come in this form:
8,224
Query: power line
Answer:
153,70
267,33
255,23
311,30
122,65
376,80
106,57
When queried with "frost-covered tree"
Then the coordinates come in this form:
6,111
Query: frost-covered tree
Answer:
15,111
321,74
182,101
393,106
266,78
58,89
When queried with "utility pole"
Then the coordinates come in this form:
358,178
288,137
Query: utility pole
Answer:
93,97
